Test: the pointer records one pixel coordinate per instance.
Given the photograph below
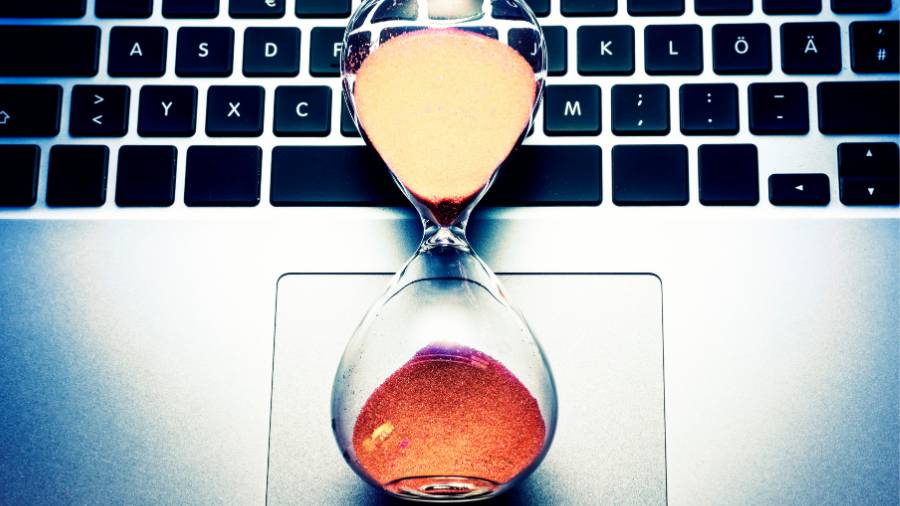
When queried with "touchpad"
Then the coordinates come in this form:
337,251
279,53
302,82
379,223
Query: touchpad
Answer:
602,335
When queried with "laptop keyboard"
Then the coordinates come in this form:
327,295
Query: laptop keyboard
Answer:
237,103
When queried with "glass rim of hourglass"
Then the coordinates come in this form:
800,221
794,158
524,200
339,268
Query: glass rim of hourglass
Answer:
457,226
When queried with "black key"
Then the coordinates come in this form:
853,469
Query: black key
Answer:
860,6
358,46
222,176
540,8
136,9
348,127
656,7
29,110
323,8
137,51
673,49
487,31
168,111
778,108
302,111
394,31
190,8
43,9
331,175
271,52
811,48
557,49
235,111
859,107
650,175
869,173
77,176
640,109
792,6
723,7
709,109
204,52
728,175
396,11
325,52
799,190
527,42
572,110
742,49
500,9
52,51
875,46
605,50
256,8
18,179
588,7
549,176
99,111
146,176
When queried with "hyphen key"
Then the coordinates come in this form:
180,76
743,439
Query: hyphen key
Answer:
51,51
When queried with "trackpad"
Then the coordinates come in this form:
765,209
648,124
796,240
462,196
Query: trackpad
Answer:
602,335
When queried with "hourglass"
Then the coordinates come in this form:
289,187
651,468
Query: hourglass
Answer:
443,393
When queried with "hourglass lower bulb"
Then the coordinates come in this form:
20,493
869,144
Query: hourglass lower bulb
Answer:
442,393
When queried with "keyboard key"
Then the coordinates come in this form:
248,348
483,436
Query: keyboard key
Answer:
136,9
588,7
323,8
190,8
605,50
792,6
222,176
331,175
869,173
137,51
723,7
204,52
860,6
799,190
235,111
18,179
641,109
541,8
256,8
146,176
650,175
29,110
396,11
526,42
43,9
728,175
859,107
99,111
51,51
778,108
302,111
167,111
875,46
271,52
77,176
395,31
500,9
742,49
557,49
487,31
673,49
810,48
549,176
572,110
348,127
709,109
325,52
656,7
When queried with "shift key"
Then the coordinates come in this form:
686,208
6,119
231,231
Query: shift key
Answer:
29,111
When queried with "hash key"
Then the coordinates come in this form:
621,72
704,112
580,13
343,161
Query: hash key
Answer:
99,111
167,111
235,111
640,109
204,52
875,46
810,48
572,110
742,49
779,108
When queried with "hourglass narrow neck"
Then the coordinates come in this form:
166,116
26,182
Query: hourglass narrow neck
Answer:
437,236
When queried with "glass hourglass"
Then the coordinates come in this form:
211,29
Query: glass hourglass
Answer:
443,393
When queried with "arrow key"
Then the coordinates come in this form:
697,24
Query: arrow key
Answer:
870,191
99,111
799,189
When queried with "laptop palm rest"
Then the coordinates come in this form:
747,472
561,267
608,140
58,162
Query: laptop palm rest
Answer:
602,335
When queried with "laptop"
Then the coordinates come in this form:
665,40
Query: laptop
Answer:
702,230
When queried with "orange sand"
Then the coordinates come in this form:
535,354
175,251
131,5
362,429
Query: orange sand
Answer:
444,108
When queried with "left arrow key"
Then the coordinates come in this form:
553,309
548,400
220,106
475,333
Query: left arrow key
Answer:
99,111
